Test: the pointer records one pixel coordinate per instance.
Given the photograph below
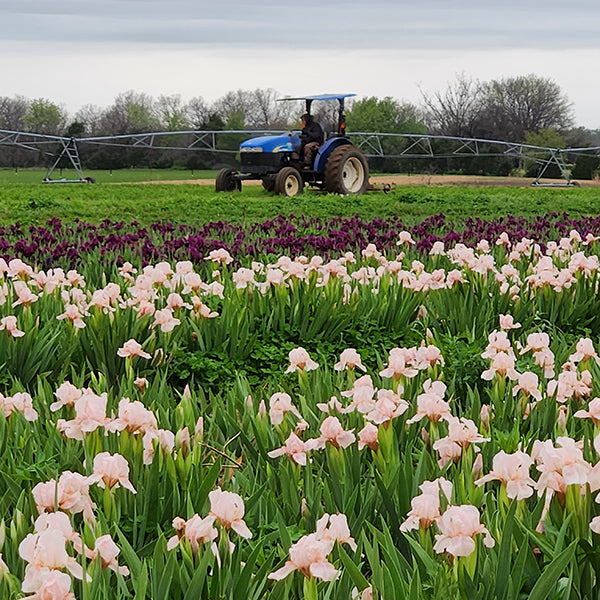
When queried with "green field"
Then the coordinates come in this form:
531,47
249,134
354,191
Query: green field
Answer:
34,176
35,203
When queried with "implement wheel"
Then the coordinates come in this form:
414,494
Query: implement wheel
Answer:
289,182
227,182
346,171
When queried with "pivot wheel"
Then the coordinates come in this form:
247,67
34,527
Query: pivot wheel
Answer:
289,182
227,182
346,171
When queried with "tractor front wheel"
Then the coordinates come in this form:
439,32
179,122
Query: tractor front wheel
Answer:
346,171
289,182
227,182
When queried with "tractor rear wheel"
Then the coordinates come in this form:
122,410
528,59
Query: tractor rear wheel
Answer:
346,171
227,182
289,182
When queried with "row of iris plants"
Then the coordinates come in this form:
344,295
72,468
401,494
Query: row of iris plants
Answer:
70,244
450,451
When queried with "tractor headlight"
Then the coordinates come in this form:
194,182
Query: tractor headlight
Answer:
251,149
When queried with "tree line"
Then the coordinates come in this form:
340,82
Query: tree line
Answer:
524,109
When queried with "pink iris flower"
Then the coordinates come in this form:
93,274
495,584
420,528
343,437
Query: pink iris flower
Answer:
300,360
309,555
295,448
426,508
228,509
458,526
67,394
196,531
335,528
55,585
74,315
111,471
280,404
513,471
20,402
593,412
70,493
90,414
131,348
431,403
332,431
165,320
349,359
46,551
106,549
368,436
400,364
9,324
134,417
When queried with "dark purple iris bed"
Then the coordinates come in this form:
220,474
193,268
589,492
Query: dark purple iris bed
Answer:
68,244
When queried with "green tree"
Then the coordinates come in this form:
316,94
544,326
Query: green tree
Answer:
172,113
385,115
75,130
235,120
544,138
132,112
586,166
43,116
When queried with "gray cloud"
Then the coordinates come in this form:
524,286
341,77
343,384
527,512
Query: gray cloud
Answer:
332,25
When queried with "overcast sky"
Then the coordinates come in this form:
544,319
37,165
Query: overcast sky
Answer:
77,52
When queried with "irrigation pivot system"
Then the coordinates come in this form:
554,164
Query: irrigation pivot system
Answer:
61,150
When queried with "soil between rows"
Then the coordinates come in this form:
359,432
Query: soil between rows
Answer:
396,180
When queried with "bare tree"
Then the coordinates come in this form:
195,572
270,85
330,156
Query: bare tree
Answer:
91,117
233,107
265,112
455,111
197,112
515,106
326,112
172,113
12,112
132,112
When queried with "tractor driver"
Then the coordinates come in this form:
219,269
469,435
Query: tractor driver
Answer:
312,137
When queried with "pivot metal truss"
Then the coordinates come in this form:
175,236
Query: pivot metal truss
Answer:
211,141
401,145
55,147
29,141
380,145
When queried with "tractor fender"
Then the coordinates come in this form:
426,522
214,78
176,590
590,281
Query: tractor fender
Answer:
326,149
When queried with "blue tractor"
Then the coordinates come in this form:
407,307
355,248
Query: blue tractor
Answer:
338,166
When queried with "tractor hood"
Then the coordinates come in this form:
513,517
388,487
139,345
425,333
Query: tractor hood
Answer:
271,143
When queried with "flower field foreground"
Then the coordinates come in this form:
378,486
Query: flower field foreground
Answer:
427,425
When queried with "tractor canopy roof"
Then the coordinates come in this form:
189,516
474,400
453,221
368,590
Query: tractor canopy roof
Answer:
308,100
318,97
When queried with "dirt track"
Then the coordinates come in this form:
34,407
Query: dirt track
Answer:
471,180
